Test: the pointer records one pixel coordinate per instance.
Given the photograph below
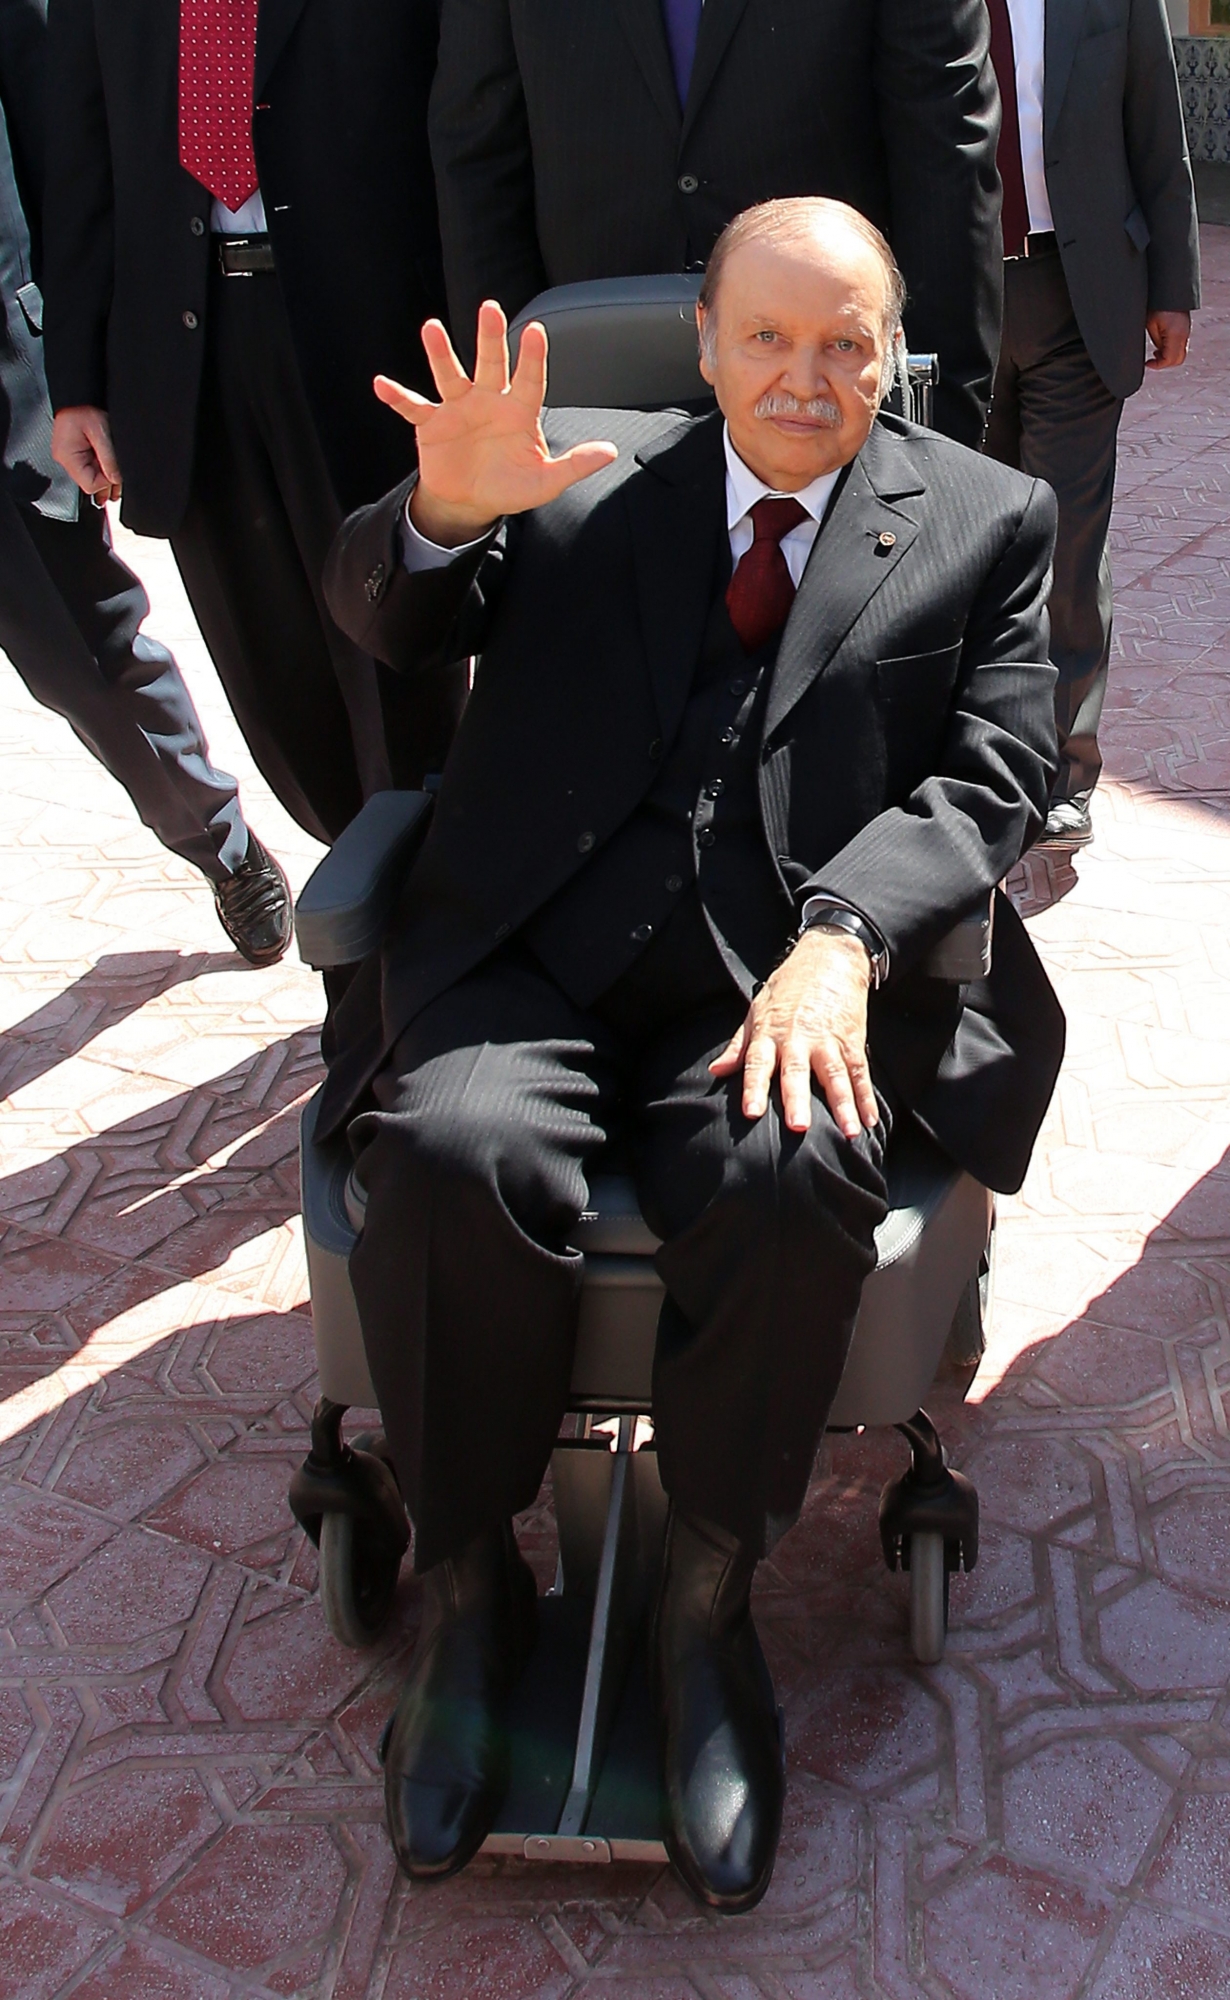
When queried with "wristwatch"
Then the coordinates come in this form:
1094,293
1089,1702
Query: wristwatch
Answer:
822,913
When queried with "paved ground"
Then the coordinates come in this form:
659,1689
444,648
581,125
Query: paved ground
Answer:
188,1800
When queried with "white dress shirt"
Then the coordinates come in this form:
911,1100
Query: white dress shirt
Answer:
246,220
743,490
1028,19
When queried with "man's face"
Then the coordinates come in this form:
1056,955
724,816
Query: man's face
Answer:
796,348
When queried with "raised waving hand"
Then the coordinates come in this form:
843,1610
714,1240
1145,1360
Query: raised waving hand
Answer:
482,453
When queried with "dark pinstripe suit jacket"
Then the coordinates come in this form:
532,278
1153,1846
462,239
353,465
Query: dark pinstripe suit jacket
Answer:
907,751
1118,177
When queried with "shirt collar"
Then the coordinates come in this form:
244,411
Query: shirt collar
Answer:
744,489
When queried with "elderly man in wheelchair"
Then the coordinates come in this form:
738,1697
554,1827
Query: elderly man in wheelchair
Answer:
760,716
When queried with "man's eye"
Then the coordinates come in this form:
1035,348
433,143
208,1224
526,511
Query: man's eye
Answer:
766,336
844,346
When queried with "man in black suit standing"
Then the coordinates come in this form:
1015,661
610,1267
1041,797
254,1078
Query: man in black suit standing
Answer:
575,142
692,824
240,229
1100,248
70,610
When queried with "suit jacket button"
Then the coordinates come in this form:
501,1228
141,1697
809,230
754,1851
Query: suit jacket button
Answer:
688,183
197,226
674,883
190,321
715,788
642,934
374,582
706,837
584,843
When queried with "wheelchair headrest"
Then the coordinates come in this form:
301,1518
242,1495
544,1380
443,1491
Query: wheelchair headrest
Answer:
619,343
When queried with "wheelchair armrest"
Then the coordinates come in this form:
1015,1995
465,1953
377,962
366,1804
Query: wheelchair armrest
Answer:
341,915
963,954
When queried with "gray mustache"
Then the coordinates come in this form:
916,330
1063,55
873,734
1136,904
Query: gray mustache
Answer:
778,403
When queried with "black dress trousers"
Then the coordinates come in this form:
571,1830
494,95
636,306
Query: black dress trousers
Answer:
494,1108
70,619
251,549
1053,417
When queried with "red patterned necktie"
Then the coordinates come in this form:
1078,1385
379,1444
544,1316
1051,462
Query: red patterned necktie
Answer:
761,591
217,62
1008,158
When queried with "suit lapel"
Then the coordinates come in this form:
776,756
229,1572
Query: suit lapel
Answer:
846,568
641,21
1064,22
275,23
718,21
676,511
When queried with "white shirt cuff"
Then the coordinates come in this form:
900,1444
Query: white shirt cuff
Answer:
418,554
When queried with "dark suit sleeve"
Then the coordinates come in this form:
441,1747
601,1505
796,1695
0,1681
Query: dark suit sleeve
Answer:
480,145
1157,159
23,52
917,869
939,116
418,623
78,270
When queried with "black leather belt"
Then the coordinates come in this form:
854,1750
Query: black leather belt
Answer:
244,256
1039,243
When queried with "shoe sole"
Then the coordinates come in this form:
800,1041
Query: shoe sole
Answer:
1065,840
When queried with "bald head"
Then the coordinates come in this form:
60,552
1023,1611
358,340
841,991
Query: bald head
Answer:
815,228
798,317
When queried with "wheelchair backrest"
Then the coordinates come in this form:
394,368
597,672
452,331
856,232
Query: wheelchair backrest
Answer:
619,343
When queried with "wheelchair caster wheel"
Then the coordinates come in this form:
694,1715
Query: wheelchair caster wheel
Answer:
358,1580
928,1598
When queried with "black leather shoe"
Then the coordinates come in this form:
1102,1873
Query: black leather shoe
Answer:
1068,824
446,1754
721,1743
255,907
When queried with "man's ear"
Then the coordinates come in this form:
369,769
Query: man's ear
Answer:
894,359
702,359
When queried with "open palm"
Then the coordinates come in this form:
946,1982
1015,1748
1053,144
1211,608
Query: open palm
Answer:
482,453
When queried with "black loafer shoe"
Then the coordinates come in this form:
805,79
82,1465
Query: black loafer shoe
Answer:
255,907
722,1767
446,1753
1068,824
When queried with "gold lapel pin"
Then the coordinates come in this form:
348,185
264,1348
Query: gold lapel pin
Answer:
886,540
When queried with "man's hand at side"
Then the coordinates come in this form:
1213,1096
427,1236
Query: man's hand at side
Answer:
81,443
809,1019
1169,333
482,453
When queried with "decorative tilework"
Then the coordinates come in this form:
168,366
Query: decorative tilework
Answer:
1203,63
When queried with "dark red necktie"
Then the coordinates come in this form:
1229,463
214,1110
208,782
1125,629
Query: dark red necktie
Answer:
761,591
1008,158
217,63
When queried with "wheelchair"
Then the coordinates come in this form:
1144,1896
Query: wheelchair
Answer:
584,1785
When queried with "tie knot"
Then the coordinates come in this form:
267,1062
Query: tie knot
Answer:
771,519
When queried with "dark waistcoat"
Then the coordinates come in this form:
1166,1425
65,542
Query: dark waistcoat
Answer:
698,826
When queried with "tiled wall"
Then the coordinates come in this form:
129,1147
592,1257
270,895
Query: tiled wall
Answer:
1204,78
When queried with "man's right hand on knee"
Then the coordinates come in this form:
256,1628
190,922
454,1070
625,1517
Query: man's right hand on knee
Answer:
81,443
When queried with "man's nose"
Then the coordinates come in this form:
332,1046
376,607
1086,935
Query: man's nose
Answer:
805,375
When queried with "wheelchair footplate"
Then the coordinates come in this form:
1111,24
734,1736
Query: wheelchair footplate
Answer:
584,1782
